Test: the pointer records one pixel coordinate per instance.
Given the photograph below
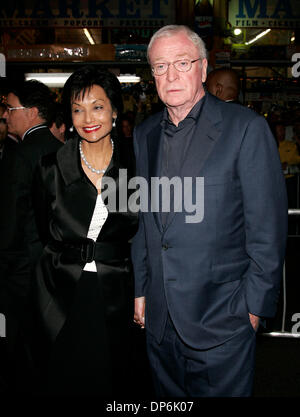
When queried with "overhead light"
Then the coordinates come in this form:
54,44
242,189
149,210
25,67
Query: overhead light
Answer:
58,79
51,79
260,35
127,78
89,36
237,31
293,39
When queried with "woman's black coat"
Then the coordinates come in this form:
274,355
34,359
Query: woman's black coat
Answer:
64,203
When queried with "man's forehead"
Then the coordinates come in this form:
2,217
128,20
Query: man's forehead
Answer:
179,45
173,39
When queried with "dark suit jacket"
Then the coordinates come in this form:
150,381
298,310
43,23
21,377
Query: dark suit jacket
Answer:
37,142
9,236
19,241
209,275
14,266
64,204
18,234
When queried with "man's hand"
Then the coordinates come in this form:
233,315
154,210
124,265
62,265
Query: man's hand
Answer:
139,311
254,320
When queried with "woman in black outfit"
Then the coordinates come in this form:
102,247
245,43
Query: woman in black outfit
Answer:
84,288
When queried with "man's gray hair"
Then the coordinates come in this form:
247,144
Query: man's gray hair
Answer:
171,30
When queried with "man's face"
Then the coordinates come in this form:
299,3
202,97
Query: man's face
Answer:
178,89
126,128
3,125
17,120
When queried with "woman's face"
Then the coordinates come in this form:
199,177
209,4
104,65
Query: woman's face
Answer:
92,114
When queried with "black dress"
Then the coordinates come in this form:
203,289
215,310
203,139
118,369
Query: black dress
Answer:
84,318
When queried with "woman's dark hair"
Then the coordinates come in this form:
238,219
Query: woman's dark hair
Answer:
83,79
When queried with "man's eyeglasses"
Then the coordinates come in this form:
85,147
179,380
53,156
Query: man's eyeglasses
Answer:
10,109
182,65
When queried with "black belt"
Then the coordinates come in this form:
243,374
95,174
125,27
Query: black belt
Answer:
87,250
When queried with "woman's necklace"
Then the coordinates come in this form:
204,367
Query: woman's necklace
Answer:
96,171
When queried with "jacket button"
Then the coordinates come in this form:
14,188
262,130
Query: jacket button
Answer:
165,247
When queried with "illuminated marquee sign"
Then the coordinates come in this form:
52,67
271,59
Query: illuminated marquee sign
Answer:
87,13
277,14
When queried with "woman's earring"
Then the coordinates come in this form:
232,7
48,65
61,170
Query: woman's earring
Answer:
114,123
71,129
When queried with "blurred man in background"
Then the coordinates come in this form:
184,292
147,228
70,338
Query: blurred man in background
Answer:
58,126
28,114
224,83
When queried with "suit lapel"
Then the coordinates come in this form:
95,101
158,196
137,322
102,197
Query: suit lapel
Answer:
155,149
155,152
205,136
69,161
76,184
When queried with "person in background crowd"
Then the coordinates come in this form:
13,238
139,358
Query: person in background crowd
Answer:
288,151
4,133
58,126
8,304
3,126
296,138
296,135
290,159
84,282
224,83
29,109
126,128
203,282
126,133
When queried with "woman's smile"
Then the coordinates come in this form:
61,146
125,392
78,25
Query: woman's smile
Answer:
89,129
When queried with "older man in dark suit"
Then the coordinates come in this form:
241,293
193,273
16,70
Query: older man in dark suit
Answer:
204,282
